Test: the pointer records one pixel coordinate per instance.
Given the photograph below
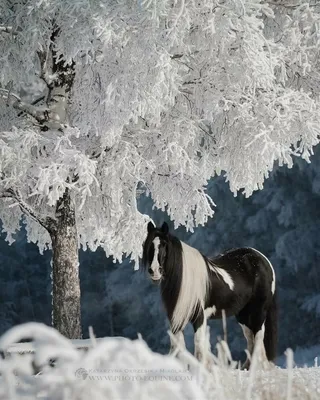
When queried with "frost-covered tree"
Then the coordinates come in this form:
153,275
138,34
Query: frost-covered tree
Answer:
102,100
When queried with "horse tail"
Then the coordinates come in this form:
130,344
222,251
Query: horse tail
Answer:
271,329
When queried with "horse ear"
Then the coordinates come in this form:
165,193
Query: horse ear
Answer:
165,228
150,227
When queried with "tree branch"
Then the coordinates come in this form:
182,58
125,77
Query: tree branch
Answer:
286,5
98,154
174,56
44,75
6,29
47,222
36,101
40,115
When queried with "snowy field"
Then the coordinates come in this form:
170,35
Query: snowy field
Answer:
121,369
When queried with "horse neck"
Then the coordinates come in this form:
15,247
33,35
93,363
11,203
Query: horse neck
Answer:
187,284
170,286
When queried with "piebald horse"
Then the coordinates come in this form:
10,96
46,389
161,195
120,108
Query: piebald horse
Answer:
195,287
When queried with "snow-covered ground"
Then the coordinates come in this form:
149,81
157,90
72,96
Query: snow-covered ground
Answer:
121,369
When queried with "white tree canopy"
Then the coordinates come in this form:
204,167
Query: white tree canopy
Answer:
165,95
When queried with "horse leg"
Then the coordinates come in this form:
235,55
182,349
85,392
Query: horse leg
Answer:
201,340
252,323
259,346
248,334
177,342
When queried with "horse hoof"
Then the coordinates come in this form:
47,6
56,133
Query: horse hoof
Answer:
245,366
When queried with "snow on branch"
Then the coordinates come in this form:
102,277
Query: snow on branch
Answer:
48,78
15,101
290,4
164,96
7,29
47,222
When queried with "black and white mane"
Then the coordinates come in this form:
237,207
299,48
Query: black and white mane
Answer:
194,288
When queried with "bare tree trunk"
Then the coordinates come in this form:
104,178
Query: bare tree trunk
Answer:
66,315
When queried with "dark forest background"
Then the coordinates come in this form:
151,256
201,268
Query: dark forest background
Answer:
282,221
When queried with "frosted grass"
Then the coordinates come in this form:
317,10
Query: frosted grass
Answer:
118,368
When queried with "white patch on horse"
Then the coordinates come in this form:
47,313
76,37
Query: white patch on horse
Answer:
273,285
155,263
248,334
259,345
193,288
208,312
224,274
202,343
260,333
177,342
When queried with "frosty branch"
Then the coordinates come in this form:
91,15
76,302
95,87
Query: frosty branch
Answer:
15,101
287,4
47,222
44,73
6,29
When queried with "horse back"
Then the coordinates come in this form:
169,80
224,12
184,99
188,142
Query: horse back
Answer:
245,263
251,274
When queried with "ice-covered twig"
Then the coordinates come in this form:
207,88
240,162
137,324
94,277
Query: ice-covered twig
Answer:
40,115
48,78
289,354
47,222
6,29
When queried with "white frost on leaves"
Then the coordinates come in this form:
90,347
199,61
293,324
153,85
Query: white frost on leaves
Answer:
166,95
